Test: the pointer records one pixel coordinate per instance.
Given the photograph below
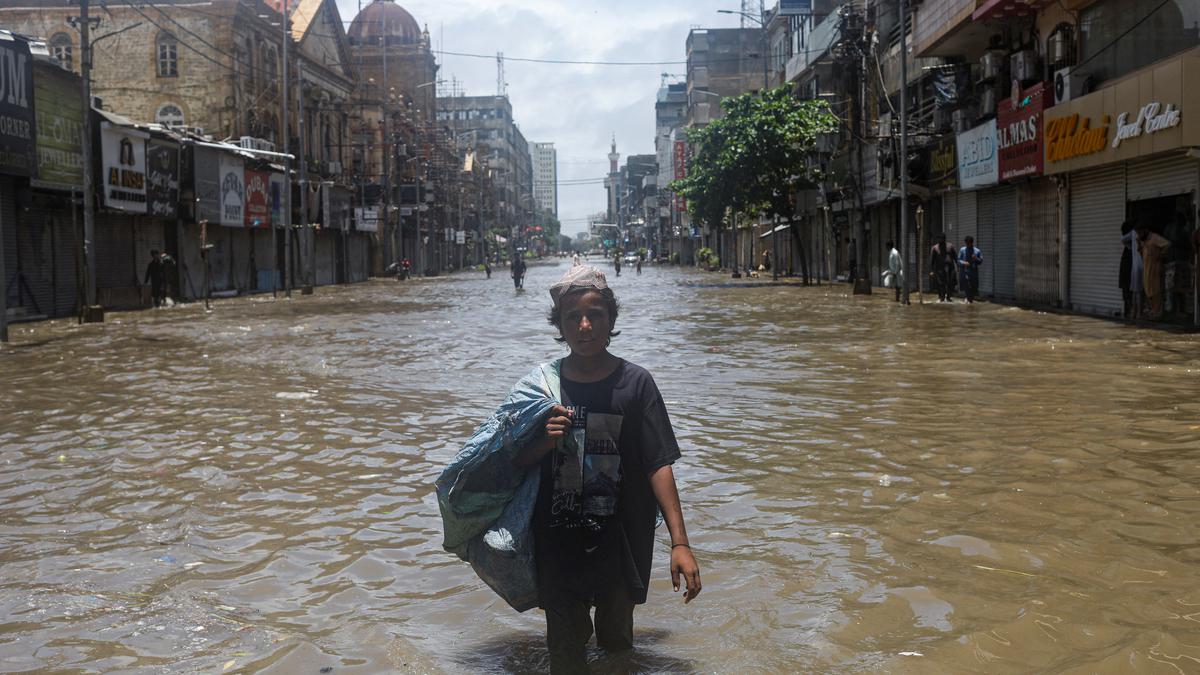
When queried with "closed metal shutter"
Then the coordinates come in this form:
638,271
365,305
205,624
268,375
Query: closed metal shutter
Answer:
1160,177
949,222
47,282
116,264
1097,210
985,240
1037,243
965,218
8,230
326,256
1003,244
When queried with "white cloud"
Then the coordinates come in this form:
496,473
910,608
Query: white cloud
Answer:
578,107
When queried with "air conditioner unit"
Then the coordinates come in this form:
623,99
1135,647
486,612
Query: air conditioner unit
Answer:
1068,85
195,131
251,143
991,65
1058,47
885,125
331,168
961,120
987,102
1024,66
942,120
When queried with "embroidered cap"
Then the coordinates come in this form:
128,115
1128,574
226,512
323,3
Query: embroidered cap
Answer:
581,278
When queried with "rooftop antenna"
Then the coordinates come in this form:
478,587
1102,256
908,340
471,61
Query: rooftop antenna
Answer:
501,85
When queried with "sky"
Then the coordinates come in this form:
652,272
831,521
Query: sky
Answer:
577,107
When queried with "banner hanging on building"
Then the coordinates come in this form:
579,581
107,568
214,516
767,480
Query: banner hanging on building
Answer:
59,129
680,162
123,158
366,220
258,198
1019,132
277,197
978,165
206,167
17,142
233,191
162,178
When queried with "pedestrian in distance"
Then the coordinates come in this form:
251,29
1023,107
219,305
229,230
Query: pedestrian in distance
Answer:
575,260
518,271
893,276
1154,250
617,263
487,269
943,267
639,264
970,259
156,277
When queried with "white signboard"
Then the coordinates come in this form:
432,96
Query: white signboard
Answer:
123,154
460,237
233,191
978,161
366,220
1151,118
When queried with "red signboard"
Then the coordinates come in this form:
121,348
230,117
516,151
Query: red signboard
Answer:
1019,132
680,172
258,199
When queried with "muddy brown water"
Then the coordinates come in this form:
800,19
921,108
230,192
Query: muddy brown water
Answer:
937,489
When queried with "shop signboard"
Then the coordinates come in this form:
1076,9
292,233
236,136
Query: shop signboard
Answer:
943,164
233,191
1019,132
123,158
206,167
258,198
162,178
17,97
460,237
59,129
680,173
276,197
978,165
1138,116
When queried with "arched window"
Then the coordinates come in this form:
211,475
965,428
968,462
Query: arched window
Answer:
62,49
168,55
169,115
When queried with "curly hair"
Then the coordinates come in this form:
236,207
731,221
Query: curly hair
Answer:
610,302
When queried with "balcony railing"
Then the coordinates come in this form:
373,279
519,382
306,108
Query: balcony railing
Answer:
820,41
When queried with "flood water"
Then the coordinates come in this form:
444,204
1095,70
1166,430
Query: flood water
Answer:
868,488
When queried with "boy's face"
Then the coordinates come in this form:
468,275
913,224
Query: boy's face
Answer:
586,323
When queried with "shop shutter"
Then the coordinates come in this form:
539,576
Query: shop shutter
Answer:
39,256
1004,243
115,262
1161,177
1097,210
8,230
985,240
949,222
1037,243
965,219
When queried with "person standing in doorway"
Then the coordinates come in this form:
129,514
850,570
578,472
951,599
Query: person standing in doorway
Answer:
970,259
156,277
943,268
1129,275
893,276
1154,250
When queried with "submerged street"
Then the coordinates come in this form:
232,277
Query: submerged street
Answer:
937,489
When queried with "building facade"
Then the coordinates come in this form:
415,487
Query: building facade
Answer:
545,177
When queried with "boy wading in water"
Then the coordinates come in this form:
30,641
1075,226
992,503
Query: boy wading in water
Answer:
595,513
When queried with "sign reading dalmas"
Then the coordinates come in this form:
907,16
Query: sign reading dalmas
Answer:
123,156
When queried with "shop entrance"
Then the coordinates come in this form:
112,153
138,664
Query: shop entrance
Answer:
1173,218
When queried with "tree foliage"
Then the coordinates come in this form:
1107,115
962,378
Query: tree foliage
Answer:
753,158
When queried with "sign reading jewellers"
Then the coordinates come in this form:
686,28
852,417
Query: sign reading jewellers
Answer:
1146,114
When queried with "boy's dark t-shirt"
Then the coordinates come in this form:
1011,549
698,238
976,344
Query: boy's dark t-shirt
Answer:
629,436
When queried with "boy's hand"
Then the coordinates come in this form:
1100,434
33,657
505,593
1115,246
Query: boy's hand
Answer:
557,423
684,563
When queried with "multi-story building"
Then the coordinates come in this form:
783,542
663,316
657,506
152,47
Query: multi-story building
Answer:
670,148
489,122
545,177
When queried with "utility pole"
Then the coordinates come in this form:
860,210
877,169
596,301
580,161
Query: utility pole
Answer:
303,156
904,275
285,92
388,248
89,216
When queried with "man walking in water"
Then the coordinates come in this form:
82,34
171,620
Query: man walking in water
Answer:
595,513
969,261
156,277
942,261
518,270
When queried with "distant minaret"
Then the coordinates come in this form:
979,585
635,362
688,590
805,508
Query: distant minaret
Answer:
613,156
611,184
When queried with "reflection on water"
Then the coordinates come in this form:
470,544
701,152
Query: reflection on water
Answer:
868,487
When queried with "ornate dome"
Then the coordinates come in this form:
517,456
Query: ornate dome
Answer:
384,18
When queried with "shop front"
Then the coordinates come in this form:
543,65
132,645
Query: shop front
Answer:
17,163
125,232
1127,153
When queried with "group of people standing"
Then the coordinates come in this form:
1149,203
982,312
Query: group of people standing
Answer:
1155,267
950,269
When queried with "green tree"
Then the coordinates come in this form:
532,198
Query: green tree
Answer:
753,158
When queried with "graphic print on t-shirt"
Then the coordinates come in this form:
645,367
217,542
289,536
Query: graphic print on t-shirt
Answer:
585,493
602,465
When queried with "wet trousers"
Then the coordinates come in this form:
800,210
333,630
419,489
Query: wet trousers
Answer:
569,626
